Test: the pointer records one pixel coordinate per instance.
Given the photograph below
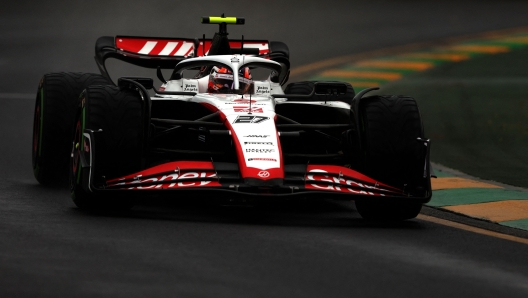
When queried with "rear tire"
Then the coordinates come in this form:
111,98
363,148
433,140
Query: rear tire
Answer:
389,127
55,107
115,114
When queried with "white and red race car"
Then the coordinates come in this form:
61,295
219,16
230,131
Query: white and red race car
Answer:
223,124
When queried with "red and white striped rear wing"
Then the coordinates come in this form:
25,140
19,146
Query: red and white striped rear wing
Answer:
153,52
181,47
155,47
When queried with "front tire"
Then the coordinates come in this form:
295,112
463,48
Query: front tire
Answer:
56,103
115,115
390,127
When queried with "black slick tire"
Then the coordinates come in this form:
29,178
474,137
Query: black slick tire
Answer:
391,153
115,116
56,103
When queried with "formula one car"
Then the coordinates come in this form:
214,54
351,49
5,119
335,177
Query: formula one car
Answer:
223,125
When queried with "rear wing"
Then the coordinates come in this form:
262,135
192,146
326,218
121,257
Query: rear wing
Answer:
165,53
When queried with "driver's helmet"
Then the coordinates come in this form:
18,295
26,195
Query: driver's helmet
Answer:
221,80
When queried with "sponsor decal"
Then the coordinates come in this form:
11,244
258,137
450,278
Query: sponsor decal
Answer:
243,100
261,159
262,90
250,119
318,175
263,174
260,150
190,88
256,136
239,109
258,143
223,76
174,180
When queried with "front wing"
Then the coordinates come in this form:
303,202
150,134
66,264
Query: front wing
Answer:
299,180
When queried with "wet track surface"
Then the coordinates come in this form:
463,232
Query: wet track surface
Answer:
49,248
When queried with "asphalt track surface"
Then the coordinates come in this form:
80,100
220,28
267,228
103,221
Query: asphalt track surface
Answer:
48,248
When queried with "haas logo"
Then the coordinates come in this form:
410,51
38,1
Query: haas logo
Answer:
256,136
263,174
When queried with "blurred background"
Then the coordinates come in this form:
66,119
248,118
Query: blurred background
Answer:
47,36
